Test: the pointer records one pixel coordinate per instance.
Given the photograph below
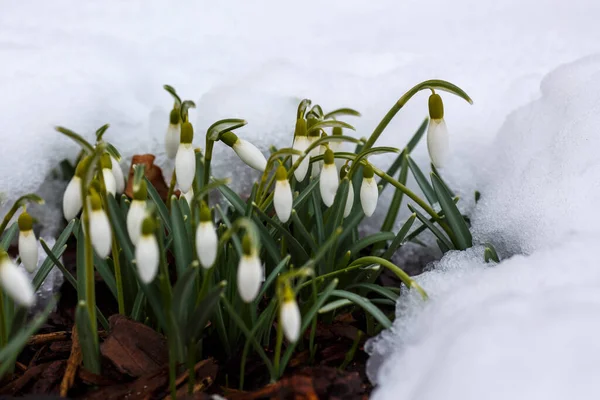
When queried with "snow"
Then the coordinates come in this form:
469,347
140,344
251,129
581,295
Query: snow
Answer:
528,327
88,63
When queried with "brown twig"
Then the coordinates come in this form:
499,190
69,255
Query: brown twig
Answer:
72,365
61,336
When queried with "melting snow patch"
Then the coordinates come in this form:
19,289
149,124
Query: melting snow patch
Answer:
528,327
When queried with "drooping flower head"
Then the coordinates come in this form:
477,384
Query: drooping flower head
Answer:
438,142
147,251
329,180
282,197
289,315
72,201
172,137
118,175
250,271
137,211
107,175
246,151
369,192
350,198
207,241
15,282
100,231
301,144
185,160
28,246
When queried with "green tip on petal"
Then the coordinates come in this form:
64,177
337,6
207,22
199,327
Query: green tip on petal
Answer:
148,226
105,161
229,138
187,132
328,157
436,107
141,192
300,127
3,256
288,293
95,201
368,171
174,117
25,222
82,166
337,131
281,173
247,245
205,213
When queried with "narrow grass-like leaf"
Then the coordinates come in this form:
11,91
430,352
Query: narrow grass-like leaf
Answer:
18,341
414,140
160,205
303,232
9,235
119,226
224,125
272,276
435,171
58,250
341,111
183,291
330,123
181,243
464,240
304,195
398,240
371,287
432,228
85,145
423,183
233,199
89,347
334,305
366,305
392,214
370,240
291,240
107,274
199,317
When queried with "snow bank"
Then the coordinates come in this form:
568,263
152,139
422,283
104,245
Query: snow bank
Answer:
88,63
528,327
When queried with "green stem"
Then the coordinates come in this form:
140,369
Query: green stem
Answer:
191,367
207,161
90,287
311,343
172,374
118,275
171,189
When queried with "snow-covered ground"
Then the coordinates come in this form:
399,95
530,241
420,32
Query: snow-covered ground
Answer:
83,64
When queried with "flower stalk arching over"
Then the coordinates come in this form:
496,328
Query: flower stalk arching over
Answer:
28,245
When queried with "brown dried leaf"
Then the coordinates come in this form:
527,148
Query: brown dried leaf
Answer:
134,348
72,364
152,172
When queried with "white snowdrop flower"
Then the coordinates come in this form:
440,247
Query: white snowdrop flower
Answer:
349,200
107,175
329,181
249,273
72,201
282,197
14,282
137,212
172,138
28,246
438,141
301,144
147,252
289,316
189,195
100,231
246,151
369,192
185,160
118,175
207,241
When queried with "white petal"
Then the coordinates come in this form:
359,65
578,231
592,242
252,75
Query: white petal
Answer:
189,195
135,217
369,194
249,277
118,174
250,154
282,200
146,258
16,284
72,199
206,243
316,166
185,166
172,139
28,250
438,143
109,181
349,200
290,320
328,183
300,144
100,233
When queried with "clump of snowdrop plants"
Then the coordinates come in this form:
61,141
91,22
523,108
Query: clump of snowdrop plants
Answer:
274,260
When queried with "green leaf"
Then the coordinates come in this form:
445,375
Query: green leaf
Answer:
330,123
18,341
304,195
100,132
183,294
119,227
423,183
272,276
432,228
107,274
416,138
435,171
57,250
341,111
334,305
199,317
464,240
304,104
112,150
160,206
490,254
371,287
9,236
396,202
366,305
85,145
303,232
181,243
291,240
398,240
173,93
371,239
233,199
224,125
